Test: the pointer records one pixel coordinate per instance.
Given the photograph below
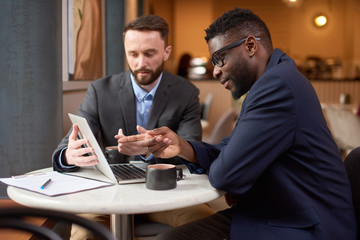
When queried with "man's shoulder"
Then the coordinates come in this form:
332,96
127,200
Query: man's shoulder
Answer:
177,81
117,79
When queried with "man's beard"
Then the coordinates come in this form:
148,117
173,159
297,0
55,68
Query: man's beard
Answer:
242,82
148,79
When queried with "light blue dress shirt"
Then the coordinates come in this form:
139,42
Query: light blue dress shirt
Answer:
144,101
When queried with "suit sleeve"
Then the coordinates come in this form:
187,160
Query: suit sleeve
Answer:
264,131
190,127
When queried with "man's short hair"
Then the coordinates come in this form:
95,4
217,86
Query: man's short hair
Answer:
240,21
149,23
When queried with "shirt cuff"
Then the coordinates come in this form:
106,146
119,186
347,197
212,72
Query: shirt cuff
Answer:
149,158
193,168
60,161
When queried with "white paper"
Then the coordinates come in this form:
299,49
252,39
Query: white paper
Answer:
60,183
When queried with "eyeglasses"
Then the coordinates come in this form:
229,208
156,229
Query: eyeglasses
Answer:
218,60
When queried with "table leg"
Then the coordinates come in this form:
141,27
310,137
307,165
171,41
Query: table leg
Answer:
122,226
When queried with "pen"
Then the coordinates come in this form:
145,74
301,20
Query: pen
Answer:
45,184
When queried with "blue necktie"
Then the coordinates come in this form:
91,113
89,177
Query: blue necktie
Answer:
145,110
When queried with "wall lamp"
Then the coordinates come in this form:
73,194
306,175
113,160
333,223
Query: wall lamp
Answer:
320,20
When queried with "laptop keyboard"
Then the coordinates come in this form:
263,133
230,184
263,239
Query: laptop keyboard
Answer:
129,171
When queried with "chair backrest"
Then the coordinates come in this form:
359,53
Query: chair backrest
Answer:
206,105
352,166
344,125
222,128
13,218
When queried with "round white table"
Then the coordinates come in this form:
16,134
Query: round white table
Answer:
122,201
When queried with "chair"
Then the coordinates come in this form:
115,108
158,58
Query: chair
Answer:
344,125
352,166
146,230
15,218
205,106
222,128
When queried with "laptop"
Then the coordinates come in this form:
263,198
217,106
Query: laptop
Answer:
122,173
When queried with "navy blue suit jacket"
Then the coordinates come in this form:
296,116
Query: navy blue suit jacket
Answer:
282,163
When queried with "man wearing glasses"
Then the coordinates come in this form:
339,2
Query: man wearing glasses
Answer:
280,167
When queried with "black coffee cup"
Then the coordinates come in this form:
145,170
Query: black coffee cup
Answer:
162,176
113,156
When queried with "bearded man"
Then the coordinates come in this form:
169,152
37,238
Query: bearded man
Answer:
146,96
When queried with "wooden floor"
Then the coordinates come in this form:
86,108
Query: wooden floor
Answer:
6,234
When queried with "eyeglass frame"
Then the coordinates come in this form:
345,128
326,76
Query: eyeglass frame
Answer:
216,54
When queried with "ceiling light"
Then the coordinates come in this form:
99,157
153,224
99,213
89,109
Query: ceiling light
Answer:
293,3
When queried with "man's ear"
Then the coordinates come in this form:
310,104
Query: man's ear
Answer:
251,45
167,52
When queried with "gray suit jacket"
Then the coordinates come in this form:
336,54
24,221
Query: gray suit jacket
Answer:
109,104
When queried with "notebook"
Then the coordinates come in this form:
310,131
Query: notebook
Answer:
121,173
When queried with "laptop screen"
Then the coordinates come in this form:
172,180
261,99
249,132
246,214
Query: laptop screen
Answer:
85,130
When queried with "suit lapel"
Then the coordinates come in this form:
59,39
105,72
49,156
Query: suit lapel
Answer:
128,107
160,101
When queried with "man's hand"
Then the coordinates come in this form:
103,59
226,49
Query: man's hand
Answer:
132,148
74,153
162,142
156,141
166,143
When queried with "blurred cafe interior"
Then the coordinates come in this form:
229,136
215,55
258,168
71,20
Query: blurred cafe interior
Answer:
325,50
39,85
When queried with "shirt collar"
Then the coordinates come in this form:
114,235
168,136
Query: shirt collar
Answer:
141,93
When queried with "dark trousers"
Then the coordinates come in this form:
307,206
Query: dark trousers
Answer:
215,227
